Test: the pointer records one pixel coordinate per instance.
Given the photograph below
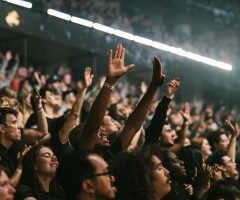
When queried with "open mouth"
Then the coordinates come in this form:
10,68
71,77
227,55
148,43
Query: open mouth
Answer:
104,139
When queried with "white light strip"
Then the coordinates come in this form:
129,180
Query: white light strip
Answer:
161,46
81,21
194,56
209,61
59,14
20,3
224,66
103,28
178,51
142,40
123,34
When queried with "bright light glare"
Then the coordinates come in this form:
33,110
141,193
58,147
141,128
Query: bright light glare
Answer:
103,28
59,14
20,3
81,21
143,40
178,51
123,34
194,56
209,61
161,46
224,66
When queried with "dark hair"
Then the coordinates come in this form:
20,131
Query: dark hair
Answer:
192,157
165,158
3,114
6,170
42,93
73,170
64,94
134,174
29,179
218,158
75,134
214,137
112,136
221,190
114,115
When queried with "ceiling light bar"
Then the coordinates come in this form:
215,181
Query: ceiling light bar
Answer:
123,34
194,56
143,40
161,46
178,51
20,3
81,21
103,28
224,66
59,14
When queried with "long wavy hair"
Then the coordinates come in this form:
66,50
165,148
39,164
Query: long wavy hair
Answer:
29,179
134,174
22,107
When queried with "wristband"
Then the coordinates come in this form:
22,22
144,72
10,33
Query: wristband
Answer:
109,86
19,171
186,123
40,109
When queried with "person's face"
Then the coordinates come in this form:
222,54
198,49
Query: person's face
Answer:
161,178
67,79
12,131
59,100
230,167
167,136
46,164
223,144
109,124
102,138
206,148
121,110
28,101
6,190
56,85
50,99
103,184
175,167
72,97
4,104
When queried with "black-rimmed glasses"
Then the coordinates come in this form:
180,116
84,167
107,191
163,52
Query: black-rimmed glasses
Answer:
102,174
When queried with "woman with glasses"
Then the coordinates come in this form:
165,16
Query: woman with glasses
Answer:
230,172
37,180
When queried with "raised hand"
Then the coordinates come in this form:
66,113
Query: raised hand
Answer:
158,78
37,99
188,188
116,65
172,87
186,113
143,87
231,128
24,151
88,77
8,55
17,59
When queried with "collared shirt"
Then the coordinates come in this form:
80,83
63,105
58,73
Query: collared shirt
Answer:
6,161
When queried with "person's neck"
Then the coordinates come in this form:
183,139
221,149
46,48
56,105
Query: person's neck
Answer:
162,147
6,143
55,113
86,196
173,184
45,182
68,104
48,111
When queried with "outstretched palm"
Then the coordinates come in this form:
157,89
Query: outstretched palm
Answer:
116,65
186,113
88,77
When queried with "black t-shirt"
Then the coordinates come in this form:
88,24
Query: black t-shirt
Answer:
233,182
178,194
22,193
6,160
32,120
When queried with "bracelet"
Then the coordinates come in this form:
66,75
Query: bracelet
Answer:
40,109
19,171
109,86
186,123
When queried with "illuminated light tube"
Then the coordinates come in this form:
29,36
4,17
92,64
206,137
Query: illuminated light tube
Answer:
59,14
81,21
177,51
194,56
161,46
103,28
123,34
209,61
143,40
224,66
20,3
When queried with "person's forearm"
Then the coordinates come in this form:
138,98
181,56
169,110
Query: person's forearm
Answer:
12,73
155,128
232,148
3,67
42,125
14,180
136,119
95,119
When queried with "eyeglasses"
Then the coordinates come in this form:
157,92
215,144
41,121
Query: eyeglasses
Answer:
230,161
102,174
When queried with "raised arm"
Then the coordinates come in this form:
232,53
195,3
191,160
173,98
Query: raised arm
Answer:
115,70
143,91
136,119
232,144
13,71
77,106
8,57
183,134
155,128
31,135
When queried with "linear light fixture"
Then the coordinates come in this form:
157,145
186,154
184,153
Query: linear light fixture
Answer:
103,28
224,66
194,56
178,51
81,21
161,46
209,61
143,40
58,14
20,3
123,34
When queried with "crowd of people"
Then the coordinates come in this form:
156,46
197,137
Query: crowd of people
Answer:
66,140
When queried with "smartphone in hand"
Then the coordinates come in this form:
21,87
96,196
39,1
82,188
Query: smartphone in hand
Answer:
36,91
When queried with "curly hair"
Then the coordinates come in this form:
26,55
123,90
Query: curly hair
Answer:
3,114
134,174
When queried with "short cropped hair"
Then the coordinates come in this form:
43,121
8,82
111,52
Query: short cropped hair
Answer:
214,137
3,114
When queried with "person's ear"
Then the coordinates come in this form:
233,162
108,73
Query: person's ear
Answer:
215,145
2,129
88,186
160,138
